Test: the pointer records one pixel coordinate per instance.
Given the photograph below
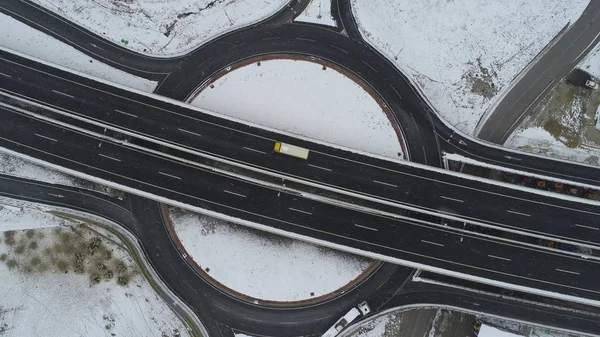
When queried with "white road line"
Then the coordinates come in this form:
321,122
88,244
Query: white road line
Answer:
519,213
588,227
251,149
299,210
338,48
499,258
365,227
190,132
52,139
453,199
432,243
239,195
56,195
567,271
319,167
108,157
368,65
382,183
125,113
305,39
169,175
62,93
6,75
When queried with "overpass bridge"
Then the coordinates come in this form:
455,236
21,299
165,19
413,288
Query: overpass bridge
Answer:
60,119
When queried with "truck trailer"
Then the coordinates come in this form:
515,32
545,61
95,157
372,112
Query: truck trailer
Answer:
291,150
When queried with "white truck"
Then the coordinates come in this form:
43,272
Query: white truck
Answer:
291,150
354,313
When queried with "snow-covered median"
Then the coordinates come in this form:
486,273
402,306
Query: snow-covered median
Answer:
22,38
317,11
44,293
301,97
261,265
163,27
463,54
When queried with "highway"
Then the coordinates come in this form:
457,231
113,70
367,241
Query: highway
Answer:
249,146
395,239
542,76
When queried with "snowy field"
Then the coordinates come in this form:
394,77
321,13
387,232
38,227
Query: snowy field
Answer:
44,296
317,11
261,265
591,63
22,38
301,98
468,51
163,27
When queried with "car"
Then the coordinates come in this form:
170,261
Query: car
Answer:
591,84
349,317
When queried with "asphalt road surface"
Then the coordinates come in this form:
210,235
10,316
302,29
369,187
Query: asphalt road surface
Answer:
543,75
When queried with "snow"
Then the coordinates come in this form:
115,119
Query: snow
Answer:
263,266
19,218
163,28
488,331
317,11
463,42
68,304
300,97
22,38
375,327
540,141
591,63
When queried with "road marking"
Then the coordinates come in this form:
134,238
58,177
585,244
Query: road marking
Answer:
125,113
62,93
338,48
305,39
433,243
382,183
52,139
190,132
365,227
169,175
500,258
567,271
519,213
251,149
56,195
588,227
396,91
7,75
319,167
109,157
368,65
509,157
299,210
271,38
239,195
453,199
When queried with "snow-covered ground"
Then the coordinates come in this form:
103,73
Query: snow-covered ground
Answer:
538,140
42,295
163,27
302,98
261,265
591,63
468,51
317,11
22,38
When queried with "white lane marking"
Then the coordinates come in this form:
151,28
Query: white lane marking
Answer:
190,132
519,213
365,227
382,183
338,48
432,243
52,139
453,199
299,210
125,113
588,227
251,149
239,195
319,167
62,93
169,175
368,65
7,75
567,271
499,258
108,157
56,195
305,39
